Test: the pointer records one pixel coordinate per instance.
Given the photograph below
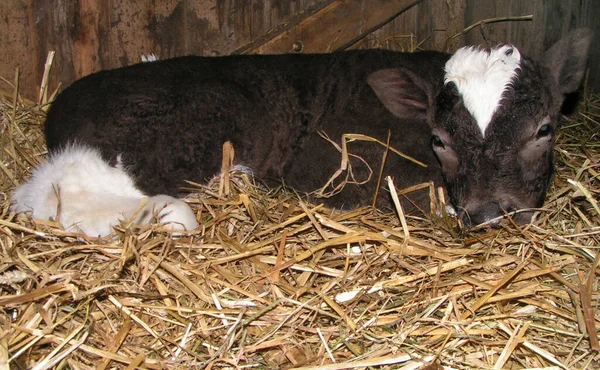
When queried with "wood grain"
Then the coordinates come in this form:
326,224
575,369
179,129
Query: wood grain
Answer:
335,27
89,35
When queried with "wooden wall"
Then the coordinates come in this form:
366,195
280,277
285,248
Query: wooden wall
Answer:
89,35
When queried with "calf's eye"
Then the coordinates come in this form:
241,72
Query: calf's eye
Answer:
545,130
437,142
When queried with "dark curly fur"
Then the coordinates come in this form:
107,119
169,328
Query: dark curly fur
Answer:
170,118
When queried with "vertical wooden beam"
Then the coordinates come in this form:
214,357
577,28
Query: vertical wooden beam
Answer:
562,16
15,42
88,33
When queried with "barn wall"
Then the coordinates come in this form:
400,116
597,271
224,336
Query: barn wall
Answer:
89,35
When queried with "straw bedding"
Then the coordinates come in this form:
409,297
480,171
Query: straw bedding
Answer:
270,281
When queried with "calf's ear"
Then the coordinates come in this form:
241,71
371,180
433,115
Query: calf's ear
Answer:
567,59
402,92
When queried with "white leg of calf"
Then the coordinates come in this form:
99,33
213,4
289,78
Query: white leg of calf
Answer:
98,215
77,210
77,188
174,213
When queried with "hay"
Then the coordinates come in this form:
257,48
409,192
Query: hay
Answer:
269,281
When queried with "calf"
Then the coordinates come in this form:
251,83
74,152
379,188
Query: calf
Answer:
482,121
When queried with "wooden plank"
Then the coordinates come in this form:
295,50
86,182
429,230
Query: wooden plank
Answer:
275,29
88,31
89,35
49,27
426,26
76,31
335,27
246,24
507,29
562,16
15,45
129,33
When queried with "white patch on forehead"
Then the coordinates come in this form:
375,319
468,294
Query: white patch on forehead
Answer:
481,78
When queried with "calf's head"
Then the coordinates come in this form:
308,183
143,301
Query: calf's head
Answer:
493,121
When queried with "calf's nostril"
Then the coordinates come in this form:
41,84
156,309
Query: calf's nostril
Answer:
489,212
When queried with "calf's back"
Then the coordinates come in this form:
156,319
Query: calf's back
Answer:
168,119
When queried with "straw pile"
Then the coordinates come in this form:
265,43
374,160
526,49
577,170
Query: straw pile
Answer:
270,281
